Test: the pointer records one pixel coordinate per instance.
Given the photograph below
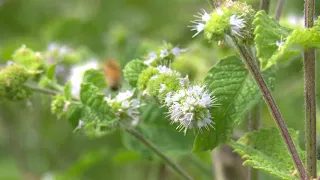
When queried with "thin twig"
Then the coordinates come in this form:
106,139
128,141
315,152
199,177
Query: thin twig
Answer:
131,131
279,9
265,5
151,146
310,96
253,68
254,117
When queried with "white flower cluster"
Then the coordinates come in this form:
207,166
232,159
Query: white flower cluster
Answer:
126,105
76,75
152,56
189,107
57,51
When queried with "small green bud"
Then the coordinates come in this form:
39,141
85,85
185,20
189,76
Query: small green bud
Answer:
12,80
59,105
133,70
145,77
28,58
161,84
231,20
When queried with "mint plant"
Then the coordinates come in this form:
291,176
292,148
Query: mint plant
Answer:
192,115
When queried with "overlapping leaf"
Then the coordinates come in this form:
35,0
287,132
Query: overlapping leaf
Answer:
236,92
265,150
132,71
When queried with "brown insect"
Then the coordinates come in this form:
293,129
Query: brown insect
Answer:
112,73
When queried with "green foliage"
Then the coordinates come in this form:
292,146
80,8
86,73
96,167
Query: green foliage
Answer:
12,79
28,58
67,91
265,150
59,106
133,70
51,71
95,78
145,77
236,93
266,26
155,126
93,111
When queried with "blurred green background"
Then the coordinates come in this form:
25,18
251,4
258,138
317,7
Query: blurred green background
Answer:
34,145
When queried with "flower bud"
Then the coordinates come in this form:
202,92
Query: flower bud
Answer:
28,58
12,80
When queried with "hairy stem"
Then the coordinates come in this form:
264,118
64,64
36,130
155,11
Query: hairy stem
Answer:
151,146
131,131
265,5
310,96
279,9
254,70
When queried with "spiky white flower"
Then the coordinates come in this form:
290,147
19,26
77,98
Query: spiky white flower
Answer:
124,95
162,88
164,69
126,106
151,57
189,107
66,106
77,73
200,23
164,53
81,124
237,25
177,51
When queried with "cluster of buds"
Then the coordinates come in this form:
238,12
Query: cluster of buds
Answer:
232,20
164,56
126,107
188,105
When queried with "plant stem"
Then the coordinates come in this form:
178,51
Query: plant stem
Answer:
265,5
150,145
310,96
46,91
131,131
279,9
254,70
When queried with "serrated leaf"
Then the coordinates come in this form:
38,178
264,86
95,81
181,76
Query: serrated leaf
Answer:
265,150
51,71
267,33
67,91
132,71
236,93
166,138
156,127
95,77
95,113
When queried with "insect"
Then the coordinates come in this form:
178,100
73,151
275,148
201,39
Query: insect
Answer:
112,73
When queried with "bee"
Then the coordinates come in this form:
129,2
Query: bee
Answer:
112,73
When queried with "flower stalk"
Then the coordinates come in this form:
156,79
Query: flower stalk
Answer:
265,5
310,96
131,131
254,70
279,9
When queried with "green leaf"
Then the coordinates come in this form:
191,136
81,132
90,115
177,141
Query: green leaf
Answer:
156,127
165,137
51,71
95,77
266,26
93,111
265,150
67,91
133,70
236,92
